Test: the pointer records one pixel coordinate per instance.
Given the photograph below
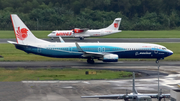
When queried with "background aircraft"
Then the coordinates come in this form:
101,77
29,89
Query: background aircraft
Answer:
107,52
85,32
134,95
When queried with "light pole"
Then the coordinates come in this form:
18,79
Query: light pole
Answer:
158,81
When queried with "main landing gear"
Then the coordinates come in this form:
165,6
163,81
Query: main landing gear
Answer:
157,61
81,38
90,61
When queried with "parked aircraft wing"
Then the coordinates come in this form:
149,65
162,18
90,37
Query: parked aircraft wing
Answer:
128,96
132,95
156,95
116,96
113,96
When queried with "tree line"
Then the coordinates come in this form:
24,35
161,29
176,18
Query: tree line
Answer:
93,14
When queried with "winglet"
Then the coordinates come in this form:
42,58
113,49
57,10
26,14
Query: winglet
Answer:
134,89
61,40
78,47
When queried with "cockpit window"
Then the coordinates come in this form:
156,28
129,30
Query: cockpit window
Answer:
53,32
163,48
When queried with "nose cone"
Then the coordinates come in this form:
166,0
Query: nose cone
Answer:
170,52
49,35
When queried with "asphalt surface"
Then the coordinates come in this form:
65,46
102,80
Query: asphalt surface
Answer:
83,63
118,66
150,40
73,90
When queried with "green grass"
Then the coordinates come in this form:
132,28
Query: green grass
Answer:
10,53
123,34
59,74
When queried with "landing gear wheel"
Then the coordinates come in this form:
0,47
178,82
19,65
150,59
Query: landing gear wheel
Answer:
81,38
90,61
157,61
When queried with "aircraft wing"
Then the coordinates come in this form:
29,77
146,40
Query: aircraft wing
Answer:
113,96
94,54
156,95
129,96
90,54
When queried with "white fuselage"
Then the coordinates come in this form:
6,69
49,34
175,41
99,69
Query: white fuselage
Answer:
88,33
123,50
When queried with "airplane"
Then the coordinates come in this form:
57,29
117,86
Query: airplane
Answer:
135,96
85,32
107,52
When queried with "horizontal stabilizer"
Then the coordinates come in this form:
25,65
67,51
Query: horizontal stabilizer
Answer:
12,42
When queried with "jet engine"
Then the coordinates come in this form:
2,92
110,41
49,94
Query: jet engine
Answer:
77,30
110,58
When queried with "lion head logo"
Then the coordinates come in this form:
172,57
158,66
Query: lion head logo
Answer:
115,25
21,33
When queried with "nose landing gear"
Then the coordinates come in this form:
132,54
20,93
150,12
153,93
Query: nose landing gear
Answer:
157,61
81,38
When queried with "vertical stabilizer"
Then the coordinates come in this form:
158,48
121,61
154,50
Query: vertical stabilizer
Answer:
115,25
22,32
134,89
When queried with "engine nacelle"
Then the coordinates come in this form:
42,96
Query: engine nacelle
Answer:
76,30
110,58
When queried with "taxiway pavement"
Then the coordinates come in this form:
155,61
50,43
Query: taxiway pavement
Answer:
73,90
145,67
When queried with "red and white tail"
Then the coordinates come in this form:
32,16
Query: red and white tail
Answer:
22,32
115,25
